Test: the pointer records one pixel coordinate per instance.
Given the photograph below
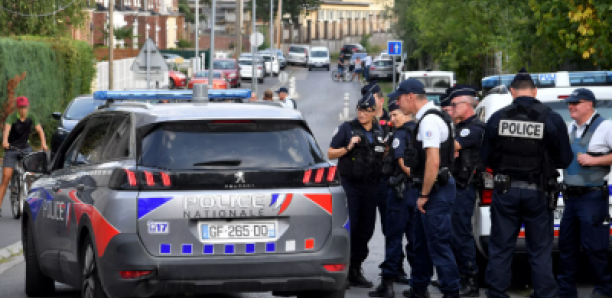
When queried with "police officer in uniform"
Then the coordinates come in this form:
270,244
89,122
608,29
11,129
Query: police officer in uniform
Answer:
524,143
468,166
399,208
369,87
360,147
586,219
445,103
383,118
430,161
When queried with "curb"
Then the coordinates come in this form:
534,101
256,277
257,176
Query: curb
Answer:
11,250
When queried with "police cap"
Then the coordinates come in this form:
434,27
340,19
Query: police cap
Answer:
367,101
581,93
409,86
372,87
461,90
392,106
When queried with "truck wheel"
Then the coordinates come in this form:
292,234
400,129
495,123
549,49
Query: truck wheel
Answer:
37,284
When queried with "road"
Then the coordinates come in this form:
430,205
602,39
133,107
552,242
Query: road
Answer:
320,100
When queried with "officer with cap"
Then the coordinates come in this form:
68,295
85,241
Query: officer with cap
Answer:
524,144
383,117
445,103
430,161
468,166
359,146
286,101
369,87
586,219
399,208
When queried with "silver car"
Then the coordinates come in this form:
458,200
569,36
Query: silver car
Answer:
381,69
173,198
298,54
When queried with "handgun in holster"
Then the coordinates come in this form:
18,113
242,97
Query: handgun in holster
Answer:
398,184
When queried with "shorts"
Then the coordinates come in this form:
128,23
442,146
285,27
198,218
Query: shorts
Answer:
340,69
358,70
11,156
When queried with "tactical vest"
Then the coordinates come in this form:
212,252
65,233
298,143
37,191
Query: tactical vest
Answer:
469,158
577,175
520,147
416,156
364,161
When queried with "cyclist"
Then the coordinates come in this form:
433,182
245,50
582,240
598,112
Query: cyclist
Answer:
17,128
341,66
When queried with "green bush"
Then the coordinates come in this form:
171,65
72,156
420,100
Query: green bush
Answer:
57,70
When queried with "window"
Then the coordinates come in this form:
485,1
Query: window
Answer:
71,152
119,137
93,143
197,145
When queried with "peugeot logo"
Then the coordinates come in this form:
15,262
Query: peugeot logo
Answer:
239,177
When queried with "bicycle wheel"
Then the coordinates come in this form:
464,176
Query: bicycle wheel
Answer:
335,77
15,188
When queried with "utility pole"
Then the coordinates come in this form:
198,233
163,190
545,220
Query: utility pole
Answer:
212,45
238,28
279,19
271,28
197,35
111,10
253,78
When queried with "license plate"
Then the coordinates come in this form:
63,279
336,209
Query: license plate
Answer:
238,230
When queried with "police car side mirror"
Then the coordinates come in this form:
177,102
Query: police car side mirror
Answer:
56,115
36,162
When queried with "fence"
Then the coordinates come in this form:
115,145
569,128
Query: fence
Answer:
123,77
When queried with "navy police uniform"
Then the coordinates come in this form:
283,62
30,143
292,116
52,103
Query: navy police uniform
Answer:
519,142
360,173
468,165
432,230
586,219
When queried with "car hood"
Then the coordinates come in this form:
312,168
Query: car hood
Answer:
68,124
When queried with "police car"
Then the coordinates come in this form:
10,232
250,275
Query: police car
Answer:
561,87
188,197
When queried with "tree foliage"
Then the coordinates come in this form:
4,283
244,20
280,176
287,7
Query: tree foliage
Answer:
293,8
73,15
184,8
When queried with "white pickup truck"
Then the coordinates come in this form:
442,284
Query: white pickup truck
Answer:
552,93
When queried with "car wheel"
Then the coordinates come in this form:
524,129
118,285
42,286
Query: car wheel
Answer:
37,284
91,287
171,85
324,294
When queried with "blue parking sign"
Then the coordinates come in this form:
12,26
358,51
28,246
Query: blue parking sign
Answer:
394,47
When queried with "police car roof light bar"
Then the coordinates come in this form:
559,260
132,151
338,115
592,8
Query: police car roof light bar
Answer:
170,95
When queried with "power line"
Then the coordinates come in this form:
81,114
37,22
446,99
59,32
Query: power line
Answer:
38,15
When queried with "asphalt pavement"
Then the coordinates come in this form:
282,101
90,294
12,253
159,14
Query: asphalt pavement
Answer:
321,101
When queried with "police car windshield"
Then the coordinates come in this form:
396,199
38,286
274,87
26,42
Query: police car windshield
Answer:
195,145
81,108
604,108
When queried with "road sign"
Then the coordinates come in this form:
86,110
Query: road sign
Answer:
156,60
394,47
256,39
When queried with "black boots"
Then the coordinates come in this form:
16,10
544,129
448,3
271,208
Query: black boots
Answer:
412,293
356,278
384,290
469,286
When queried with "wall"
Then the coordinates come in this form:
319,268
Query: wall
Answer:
222,42
171,33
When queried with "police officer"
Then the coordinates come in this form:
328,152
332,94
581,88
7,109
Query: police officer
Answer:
430,162
586,220
524,143
399,208
369,87
383,117
360,147
468,137
445,104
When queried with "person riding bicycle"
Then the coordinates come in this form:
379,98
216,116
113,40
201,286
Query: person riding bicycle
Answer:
17,128
340,66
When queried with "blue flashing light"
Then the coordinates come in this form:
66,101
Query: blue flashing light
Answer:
230,249
250,248
270,247
187,249
165,248
209,249
170,95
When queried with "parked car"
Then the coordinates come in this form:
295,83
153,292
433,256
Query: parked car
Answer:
246,69
382,69
399,60
201,77
170,57
77,109
257,57
229,67
177,79
281,58
349,49
271,62
319,58
298,54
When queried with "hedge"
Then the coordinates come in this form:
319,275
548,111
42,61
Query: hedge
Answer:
57,70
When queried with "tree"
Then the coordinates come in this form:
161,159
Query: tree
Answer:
190,15
124,33
577,29
32,17
183,43
294,8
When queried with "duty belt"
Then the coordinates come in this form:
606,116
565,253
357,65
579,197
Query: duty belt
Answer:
577,191
524,185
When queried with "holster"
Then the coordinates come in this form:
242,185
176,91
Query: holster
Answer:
501,183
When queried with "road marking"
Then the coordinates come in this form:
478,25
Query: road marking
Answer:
10,256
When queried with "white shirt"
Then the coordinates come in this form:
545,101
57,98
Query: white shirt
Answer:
602,137
367,60
432,129
288,103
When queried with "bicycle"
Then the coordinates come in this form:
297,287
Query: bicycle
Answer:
344,75
20,184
